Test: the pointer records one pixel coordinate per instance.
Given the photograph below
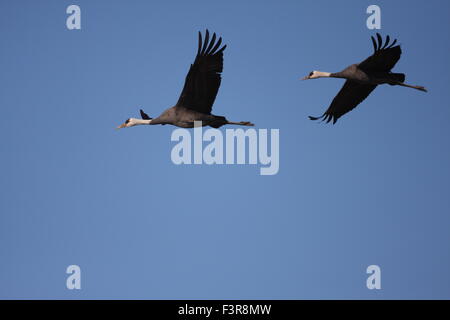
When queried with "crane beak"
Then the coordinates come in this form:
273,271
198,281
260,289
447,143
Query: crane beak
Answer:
305,78
123,125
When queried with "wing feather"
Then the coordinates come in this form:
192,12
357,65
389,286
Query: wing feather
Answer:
200,41
374,44
211,43
384,57
144,115
219,42
348,98
388,39
206,42
204,77
380,41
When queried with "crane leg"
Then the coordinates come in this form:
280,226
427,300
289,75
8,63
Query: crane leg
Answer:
242,123
411,86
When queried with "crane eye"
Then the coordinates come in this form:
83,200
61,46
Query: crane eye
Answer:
126,121
311,73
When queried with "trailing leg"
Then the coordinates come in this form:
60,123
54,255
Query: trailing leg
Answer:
411,86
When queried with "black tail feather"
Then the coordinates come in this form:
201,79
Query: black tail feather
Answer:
398,76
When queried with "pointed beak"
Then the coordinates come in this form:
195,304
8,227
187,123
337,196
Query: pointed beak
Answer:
123,125
305,78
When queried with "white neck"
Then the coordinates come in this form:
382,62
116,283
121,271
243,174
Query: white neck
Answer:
321,74
140,121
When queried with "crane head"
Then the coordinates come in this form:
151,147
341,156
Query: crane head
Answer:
312,75
130,122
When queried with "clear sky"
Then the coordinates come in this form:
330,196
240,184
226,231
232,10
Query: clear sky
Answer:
372,189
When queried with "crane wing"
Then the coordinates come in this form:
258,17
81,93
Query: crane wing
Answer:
203,79
384,57
350,96
144,115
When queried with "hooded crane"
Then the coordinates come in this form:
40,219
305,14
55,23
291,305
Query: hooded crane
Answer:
199,92
363,78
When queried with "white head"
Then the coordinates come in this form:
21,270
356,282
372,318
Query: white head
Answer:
316,75
131,122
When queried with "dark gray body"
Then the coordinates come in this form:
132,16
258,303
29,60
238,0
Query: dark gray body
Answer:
354,73
183,117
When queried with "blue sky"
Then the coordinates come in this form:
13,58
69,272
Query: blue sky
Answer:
372,189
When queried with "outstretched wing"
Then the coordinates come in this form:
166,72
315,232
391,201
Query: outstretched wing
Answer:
203,79
384,56
350,95
144,115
